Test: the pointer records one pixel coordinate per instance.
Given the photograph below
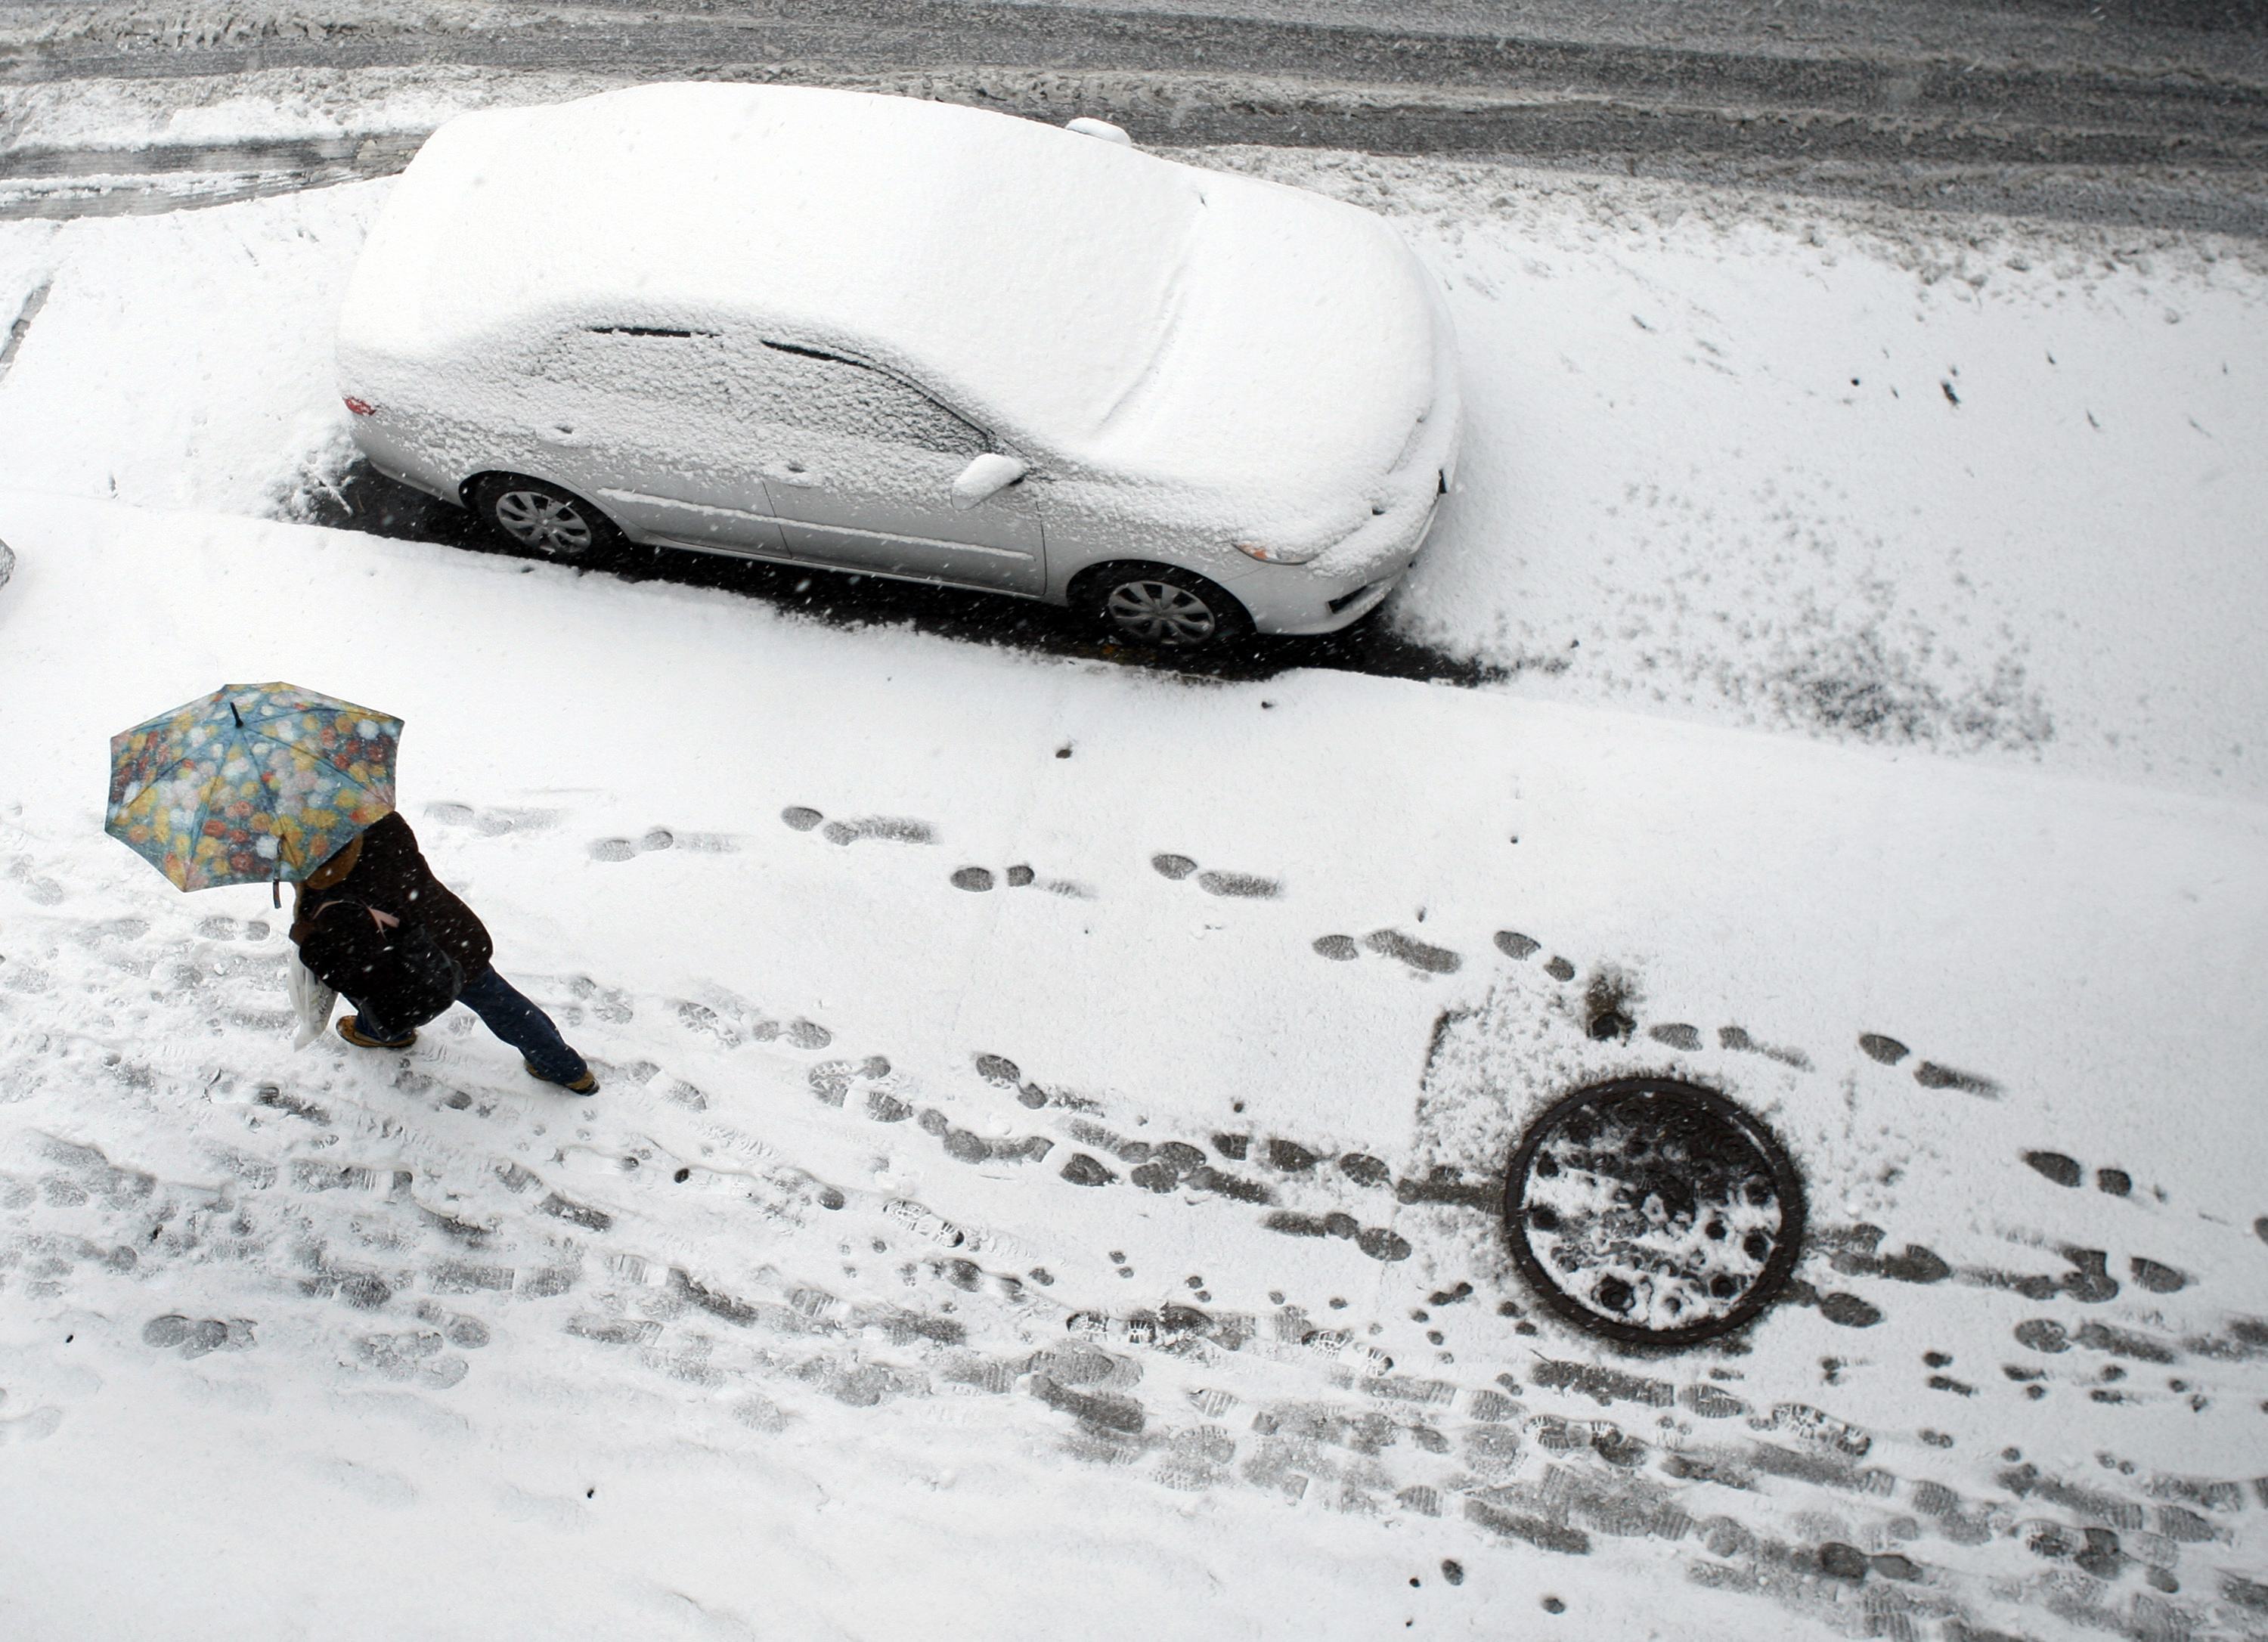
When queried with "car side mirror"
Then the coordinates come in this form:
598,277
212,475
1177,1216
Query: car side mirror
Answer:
985,477
1087,126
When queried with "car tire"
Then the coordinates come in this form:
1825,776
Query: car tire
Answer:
1160,606
544,521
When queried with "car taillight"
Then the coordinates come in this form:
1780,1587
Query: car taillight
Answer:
361,407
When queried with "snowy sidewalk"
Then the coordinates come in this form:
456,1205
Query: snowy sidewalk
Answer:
1122,1226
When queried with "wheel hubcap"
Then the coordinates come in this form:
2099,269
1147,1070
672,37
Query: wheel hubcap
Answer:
1160,612
544,522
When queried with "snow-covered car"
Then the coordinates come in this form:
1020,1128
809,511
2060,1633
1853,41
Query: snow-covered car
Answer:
908,339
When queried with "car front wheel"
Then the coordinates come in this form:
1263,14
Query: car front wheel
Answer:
1162,606
542,519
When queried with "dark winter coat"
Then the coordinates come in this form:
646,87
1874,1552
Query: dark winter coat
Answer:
344,945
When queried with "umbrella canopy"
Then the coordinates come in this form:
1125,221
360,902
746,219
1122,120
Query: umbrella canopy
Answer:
251,784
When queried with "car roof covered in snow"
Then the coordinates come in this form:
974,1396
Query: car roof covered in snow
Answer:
1020,271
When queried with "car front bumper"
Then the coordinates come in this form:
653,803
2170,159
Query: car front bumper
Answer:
1294,601
1298,607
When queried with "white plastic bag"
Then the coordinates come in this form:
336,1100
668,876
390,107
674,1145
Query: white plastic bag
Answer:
311,1000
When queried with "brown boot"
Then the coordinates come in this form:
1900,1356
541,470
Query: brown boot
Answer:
350,1029
587,1084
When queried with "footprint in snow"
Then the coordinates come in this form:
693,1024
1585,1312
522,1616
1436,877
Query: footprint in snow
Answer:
1740,1038
2109,1180
1889,1051
1420,956
415,1354
494,823
195,1337
40,891
1519,947
609,1003
747,1024
663,838
926,1222
466,1333
895,828
221,928
1236,885
976,880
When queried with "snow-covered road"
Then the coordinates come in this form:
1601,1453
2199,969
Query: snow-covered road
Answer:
1055,1112
2137,115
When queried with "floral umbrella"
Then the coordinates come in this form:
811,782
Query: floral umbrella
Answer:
253,783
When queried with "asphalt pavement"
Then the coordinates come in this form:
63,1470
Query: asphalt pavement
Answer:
2150,114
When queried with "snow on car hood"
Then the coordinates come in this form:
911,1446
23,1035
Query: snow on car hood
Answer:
1300,348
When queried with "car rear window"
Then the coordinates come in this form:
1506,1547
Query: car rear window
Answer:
684,368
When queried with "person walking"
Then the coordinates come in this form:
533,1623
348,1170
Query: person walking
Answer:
373,923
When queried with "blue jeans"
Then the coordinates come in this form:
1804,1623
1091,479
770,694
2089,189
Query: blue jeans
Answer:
505,1012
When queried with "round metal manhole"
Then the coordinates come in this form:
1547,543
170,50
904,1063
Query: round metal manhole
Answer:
1652,1212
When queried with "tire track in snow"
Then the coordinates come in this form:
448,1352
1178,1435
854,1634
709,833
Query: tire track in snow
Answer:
56,182
21,327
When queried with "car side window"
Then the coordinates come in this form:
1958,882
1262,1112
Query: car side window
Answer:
682,368
801,388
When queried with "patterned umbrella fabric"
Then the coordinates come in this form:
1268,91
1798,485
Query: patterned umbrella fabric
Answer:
251,784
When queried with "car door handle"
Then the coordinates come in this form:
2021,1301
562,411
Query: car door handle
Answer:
792,473
565,438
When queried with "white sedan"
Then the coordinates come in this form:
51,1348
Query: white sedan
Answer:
908,339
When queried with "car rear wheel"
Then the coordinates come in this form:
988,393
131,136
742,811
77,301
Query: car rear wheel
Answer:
542,518
1162,606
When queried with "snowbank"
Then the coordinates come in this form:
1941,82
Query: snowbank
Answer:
1977,487
179,360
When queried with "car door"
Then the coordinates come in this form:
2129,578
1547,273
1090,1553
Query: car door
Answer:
641,420
859,469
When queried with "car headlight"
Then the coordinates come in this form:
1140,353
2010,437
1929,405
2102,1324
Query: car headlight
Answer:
1268,554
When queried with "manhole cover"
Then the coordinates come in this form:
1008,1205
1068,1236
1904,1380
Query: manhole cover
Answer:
1653,1212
